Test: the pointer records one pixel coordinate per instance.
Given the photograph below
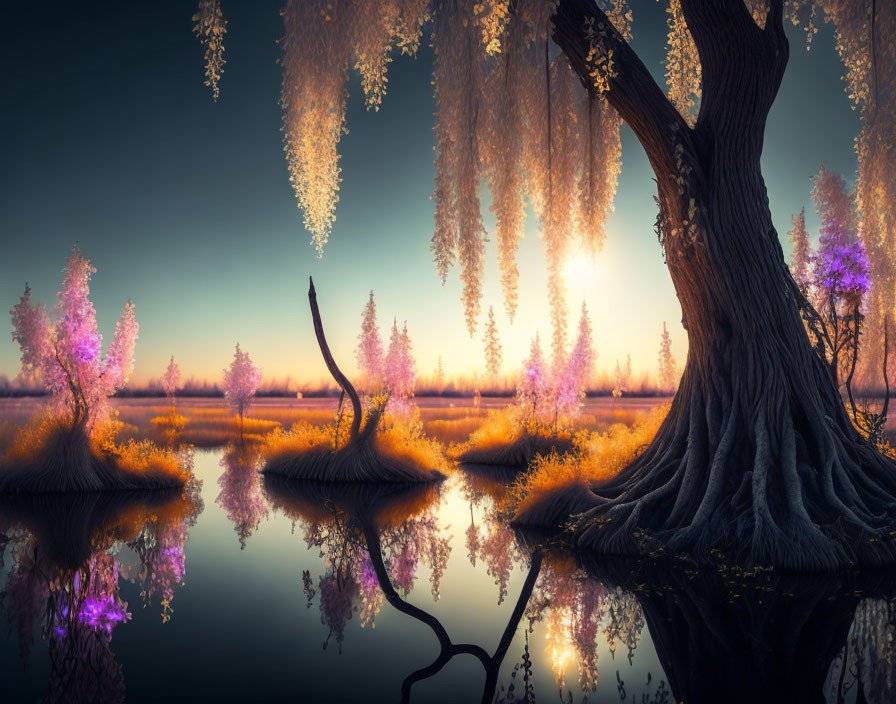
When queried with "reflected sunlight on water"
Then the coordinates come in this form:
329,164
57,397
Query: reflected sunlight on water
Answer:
267,590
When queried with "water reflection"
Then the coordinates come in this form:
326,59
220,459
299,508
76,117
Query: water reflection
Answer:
579,614
372,538
732,635
534,623
241,496
65,558
334,519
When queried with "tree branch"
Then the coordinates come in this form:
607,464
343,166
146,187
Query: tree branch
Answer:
742,64
340,378
633,92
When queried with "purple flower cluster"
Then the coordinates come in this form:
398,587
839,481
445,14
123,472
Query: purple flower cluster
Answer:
841,269
103,613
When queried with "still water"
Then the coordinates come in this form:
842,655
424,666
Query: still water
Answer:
250,591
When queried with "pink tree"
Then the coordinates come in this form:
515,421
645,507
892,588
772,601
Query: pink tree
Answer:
370,347
400,369
621,376
801,259
65,347
572,385
668,369
240,382
532,386
171,380
493,356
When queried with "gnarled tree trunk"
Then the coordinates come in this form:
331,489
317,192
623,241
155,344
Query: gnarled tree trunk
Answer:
757,456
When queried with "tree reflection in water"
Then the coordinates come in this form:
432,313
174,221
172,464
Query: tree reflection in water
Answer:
241,496
579,613
68,555
726,634
351,523
332,516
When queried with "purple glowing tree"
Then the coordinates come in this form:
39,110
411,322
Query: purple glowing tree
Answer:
840,278
65,347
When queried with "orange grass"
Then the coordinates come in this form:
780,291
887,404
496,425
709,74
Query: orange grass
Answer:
144,456
404,438
171,421
396,436
597,456
26,441
136,457
503,427
301,438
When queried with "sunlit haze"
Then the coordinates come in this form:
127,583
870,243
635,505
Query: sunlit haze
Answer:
184,204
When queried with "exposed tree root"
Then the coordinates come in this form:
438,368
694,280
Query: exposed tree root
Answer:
517,455
67,463
767,479
65,525
725,635
552,514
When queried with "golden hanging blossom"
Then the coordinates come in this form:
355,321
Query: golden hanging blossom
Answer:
535,91
321,39
563,216
852,25
872,78
316,51
444,238
374,26
802,14
458,80
620,15
759,10
599,58
603,155
492,17
683,69
509,113
410,25
210,28
501,149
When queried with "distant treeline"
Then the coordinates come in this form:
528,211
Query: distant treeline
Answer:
425,388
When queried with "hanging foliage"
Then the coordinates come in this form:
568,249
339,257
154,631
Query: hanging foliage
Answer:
210,28
683,70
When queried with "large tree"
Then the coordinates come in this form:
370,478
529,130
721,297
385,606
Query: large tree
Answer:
757,455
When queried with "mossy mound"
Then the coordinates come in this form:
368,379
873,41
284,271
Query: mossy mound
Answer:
518,454
372,457
65,461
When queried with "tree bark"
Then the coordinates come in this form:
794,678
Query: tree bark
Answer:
757,456
332,367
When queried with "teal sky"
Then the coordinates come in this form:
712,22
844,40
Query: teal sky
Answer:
109,137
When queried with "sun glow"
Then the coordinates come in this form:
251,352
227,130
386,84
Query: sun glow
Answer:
580,273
